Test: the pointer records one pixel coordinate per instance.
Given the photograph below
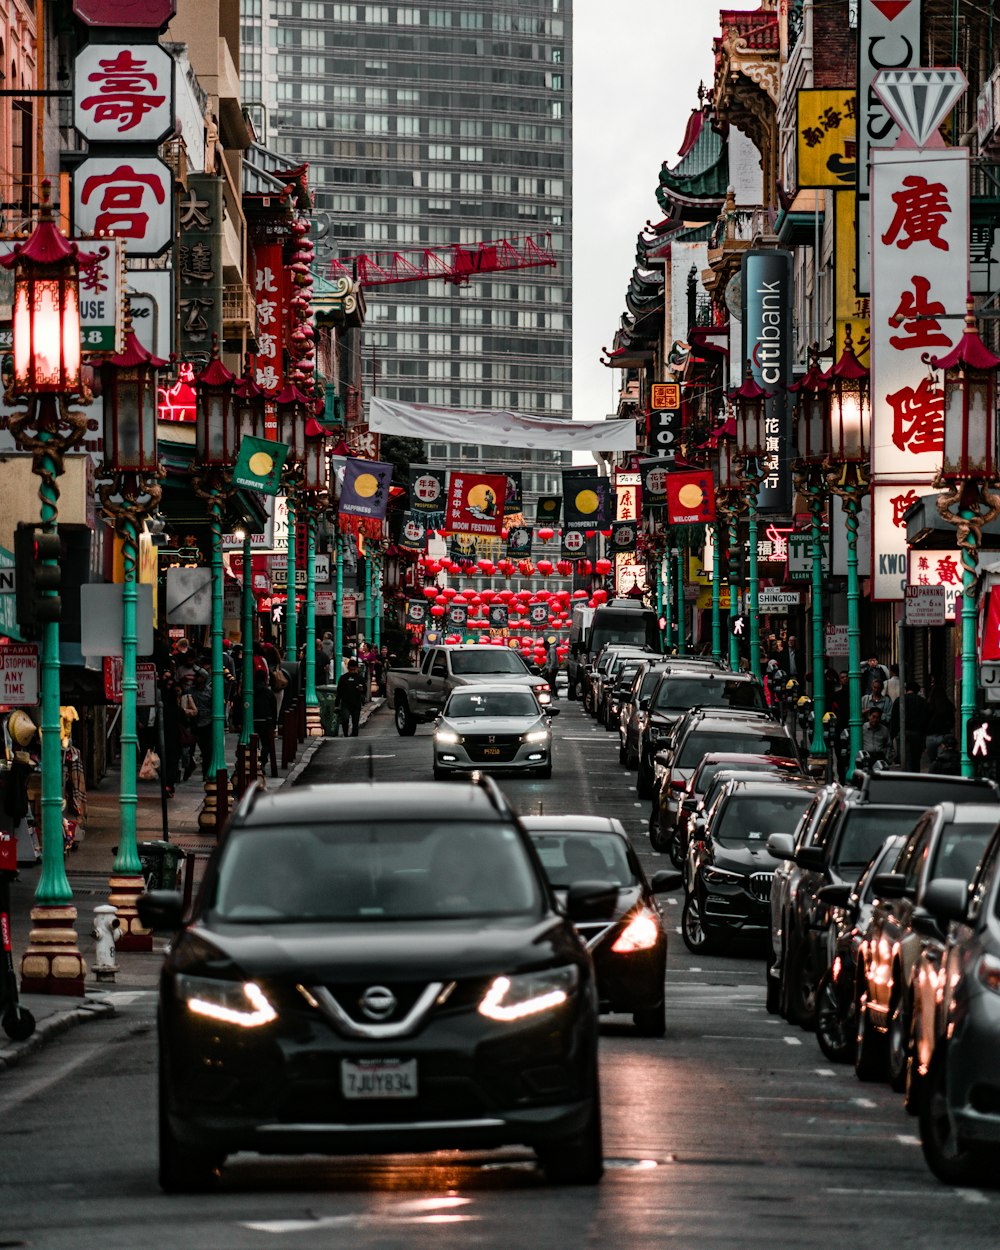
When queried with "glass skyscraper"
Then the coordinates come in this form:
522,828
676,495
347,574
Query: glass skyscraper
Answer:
429,125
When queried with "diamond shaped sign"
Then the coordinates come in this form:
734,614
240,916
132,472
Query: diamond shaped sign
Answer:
919,99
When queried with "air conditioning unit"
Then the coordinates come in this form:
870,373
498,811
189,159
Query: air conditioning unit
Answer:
988,116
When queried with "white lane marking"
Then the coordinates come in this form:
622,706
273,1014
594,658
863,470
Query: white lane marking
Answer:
734,1037
824,1071
694,969
418,1210
32,1088
864,1102
907,1139
972,1196
792,1041
897,1193
123,998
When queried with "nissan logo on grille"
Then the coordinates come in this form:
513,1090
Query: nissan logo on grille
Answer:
377,1002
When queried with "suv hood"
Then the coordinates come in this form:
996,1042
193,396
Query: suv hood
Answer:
743,859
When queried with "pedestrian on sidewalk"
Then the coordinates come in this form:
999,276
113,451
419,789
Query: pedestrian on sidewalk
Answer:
915,707
174,728
201,693
350,697
265,714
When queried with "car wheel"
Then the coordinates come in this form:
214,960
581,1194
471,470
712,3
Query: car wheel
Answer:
656,839
406,726
644,783
913,1090
800,990
678,852
183,1170
651,1023
869,1055
949,1158
696,938
571,692
834,1032
576,1160
898,1043
772,986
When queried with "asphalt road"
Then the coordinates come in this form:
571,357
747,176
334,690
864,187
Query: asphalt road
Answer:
731,1132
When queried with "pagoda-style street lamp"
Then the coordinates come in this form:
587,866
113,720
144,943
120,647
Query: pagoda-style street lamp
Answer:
846,469
750,400
250,405
217,439
969,496
812,394
292,408
130,494
47,374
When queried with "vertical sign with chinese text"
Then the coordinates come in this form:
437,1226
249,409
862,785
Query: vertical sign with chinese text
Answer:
199,261
269,294
767,347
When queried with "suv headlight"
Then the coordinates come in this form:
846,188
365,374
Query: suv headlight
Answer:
242,1003
528,993
721,876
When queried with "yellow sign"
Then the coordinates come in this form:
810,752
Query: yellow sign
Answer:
850,309
827,142
704,601
147,567
665,396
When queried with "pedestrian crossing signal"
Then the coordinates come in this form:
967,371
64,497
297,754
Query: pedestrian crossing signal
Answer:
982,740
738,626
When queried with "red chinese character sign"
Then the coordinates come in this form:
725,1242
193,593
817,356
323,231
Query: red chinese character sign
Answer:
475,503
920,276
128,198
938,568
123,94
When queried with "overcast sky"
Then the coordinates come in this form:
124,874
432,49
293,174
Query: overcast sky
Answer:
637,65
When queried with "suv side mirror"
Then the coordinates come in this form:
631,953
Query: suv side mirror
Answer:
591,900
781,846
664,881
811,858
888,885
835,895
947,899
161,910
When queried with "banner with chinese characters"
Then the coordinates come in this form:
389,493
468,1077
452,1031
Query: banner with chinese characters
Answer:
123,94
199,264
126,197
413,532
624,537
475,502
574,544
427,492
690,497
938,568
767,286
850,309
365,491
585,499
920,280
888,539
627,496
827,147
416,612
269,295
654,475
519,539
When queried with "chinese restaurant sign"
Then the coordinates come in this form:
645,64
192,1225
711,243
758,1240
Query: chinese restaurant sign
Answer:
127,197
938,568
827,137
850,309
269,293
123,94
920,279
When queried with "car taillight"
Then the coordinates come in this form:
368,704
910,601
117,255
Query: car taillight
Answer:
640,934
989,972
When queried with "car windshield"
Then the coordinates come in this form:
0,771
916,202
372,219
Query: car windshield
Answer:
708,774
700,743
489,660
627,676
750,819
492,703
684,692
569,857
960,850
865,829
398,870
649,680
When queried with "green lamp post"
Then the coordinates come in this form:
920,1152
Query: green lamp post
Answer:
250,414
812,394
730,503
292,405
969,496
217,438
313,502
846,469
46,374
750,402
129,387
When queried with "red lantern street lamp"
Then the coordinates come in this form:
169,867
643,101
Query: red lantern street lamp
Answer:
250,405
750,400
850,410
129,383
812,393
970,403
315,476
291,407
216,434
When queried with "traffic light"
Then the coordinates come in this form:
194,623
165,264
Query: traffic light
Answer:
37,573
982,741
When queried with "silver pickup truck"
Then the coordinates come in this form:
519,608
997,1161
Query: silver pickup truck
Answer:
419,694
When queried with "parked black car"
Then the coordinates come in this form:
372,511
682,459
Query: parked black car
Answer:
629,947
729,868
633,710
377,968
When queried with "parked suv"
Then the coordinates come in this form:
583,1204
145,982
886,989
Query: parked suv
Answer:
633,709
681,687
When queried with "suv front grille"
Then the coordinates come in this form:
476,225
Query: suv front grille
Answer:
760,886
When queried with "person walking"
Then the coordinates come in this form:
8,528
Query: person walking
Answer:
350,697
791,660
175,730
876,740
871,672
912,709
201,693
876,697
265,714
947,757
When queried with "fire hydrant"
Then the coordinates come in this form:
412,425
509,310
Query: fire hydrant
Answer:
107,931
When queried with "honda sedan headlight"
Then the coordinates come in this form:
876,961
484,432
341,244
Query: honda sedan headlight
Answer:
242,1003
721,876
447,737
528,993
536,735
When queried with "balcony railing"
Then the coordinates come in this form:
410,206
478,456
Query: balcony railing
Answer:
238,307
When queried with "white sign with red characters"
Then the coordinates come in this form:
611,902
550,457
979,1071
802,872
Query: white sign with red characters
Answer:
18,674
123,94
888,569
920,280
938,568
127,197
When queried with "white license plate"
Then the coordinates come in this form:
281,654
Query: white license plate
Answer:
378,1078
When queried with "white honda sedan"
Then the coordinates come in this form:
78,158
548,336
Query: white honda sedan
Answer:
496,727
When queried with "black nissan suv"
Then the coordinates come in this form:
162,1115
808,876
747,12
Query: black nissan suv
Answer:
377,968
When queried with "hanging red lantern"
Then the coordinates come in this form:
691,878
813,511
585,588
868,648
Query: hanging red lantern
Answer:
585,568
437,609
580,594
600,596
545,534
526,567
603,567
545,567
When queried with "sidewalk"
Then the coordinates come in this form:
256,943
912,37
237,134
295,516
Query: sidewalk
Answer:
88,868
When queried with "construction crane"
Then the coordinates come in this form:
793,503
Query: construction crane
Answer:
454,263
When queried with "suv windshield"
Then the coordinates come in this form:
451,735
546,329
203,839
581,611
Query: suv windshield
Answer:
960,850
700,742
569,857
492,660
494,703
865,829
403,870
750,819
708,774
684,692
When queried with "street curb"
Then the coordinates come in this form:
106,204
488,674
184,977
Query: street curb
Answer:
367,712
52,1026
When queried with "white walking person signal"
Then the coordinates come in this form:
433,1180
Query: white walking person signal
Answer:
981,739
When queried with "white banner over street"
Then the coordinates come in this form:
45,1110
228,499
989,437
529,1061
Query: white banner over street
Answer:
498,427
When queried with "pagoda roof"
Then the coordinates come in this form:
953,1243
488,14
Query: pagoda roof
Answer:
266,174
695,187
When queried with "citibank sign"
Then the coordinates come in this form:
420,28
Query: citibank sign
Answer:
767,347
